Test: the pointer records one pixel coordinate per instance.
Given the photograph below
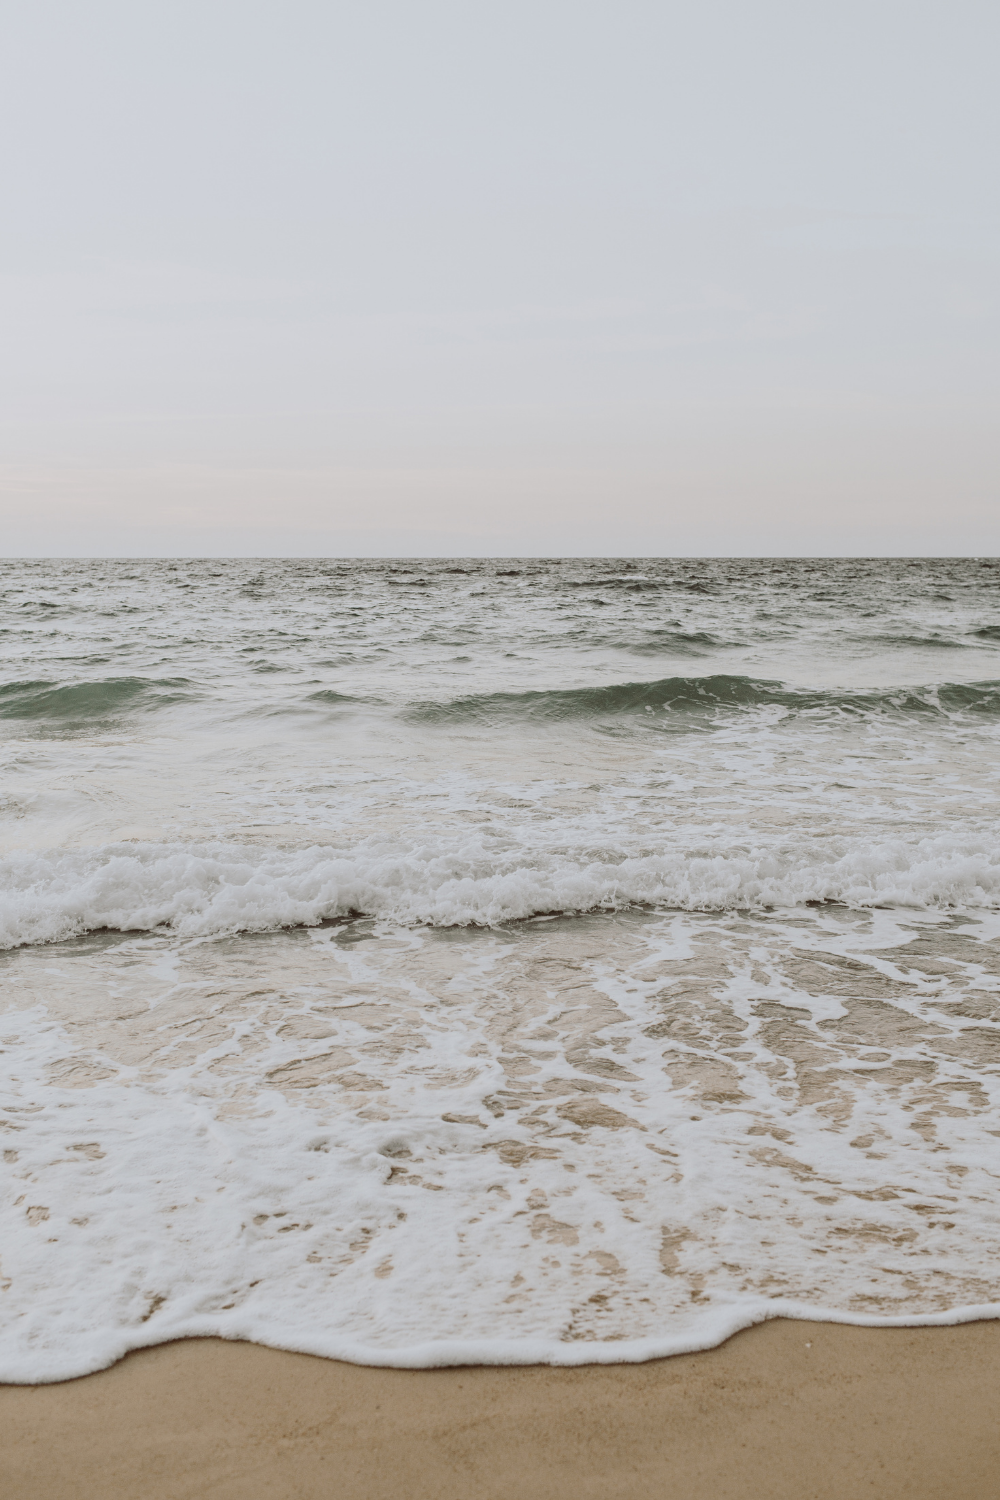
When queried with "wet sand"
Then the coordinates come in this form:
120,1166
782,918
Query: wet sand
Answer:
785,1411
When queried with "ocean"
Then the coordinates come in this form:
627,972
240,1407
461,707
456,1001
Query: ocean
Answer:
442,962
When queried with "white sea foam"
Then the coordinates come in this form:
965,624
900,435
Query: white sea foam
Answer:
199,890
584,1141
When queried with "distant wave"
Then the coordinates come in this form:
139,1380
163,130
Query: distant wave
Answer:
674,643
698,695
930,642
630,585
105,698
332,699
211,890
677,699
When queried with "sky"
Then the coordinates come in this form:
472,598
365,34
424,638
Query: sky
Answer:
551,277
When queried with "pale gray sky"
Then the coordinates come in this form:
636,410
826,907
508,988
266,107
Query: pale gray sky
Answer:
376,277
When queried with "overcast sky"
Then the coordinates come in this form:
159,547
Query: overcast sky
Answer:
541,277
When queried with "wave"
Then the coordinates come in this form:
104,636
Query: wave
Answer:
331,699
700,695
105,698
932,642
674,643
213,890
674,699
627,584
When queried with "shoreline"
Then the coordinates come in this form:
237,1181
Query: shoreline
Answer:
724,1324
785,1410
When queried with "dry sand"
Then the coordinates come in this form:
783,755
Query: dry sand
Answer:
786,1411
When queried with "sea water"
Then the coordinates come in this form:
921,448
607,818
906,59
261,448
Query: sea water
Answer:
454,961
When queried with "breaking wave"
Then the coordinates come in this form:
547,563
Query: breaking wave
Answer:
212,890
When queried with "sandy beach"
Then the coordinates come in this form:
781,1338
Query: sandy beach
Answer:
784,1411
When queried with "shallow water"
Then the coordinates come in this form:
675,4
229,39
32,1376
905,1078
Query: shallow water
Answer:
458,961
